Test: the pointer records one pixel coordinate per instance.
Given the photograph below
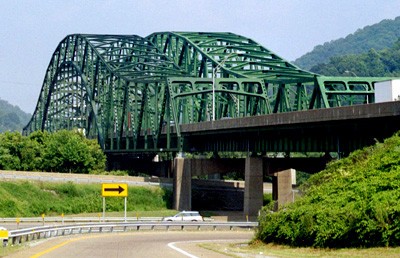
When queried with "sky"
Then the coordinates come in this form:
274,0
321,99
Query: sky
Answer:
30,30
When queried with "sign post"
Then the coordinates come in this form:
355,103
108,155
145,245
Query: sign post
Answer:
104,209
114,190
125,210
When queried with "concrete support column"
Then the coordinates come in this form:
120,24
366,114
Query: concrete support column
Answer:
282,187
182,185
253,189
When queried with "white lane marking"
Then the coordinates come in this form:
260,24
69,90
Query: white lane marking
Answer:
172,245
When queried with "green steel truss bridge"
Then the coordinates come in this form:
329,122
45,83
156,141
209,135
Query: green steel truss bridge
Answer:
133,93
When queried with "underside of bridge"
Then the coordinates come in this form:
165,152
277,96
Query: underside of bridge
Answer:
135,93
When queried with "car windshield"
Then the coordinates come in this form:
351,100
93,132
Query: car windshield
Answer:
187,214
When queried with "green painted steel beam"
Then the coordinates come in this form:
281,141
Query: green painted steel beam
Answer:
133,93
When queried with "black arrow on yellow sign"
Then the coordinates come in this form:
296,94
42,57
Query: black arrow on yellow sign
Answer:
119,189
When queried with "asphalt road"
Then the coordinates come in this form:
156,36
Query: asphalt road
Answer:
161,244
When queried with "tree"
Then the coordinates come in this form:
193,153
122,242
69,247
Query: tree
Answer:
68,151
10,145
63,151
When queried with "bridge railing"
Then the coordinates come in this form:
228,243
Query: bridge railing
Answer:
28,234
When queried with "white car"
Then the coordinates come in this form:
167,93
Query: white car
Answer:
185,216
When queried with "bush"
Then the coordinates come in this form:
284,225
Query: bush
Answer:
112,172
352,203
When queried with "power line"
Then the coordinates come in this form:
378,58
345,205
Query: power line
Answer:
18,83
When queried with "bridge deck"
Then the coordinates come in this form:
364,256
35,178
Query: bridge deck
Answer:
340,129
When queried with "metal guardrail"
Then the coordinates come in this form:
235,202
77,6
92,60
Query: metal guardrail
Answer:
77,219
27,234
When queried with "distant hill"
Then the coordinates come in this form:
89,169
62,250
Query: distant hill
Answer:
378,36
385,62
12,118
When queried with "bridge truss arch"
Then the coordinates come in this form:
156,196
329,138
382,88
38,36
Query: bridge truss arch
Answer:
133,93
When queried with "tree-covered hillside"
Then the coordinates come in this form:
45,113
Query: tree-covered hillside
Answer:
12,118
354,202
378,36
385,62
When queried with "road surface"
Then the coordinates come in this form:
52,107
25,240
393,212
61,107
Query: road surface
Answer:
163,244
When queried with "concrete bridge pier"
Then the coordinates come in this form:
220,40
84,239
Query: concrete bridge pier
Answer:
182,185
254,168
253,186
282,191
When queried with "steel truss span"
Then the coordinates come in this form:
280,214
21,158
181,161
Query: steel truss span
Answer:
132,93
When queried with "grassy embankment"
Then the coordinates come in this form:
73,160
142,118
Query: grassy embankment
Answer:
259,249
31,199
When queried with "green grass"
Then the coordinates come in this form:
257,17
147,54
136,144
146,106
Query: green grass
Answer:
273,250
27,199
138,213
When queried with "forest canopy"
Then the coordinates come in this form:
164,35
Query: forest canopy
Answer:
383,63
377,36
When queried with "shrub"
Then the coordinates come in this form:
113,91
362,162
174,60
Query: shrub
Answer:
352,203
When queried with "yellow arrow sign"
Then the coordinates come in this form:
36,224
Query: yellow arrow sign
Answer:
116,190
3,233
